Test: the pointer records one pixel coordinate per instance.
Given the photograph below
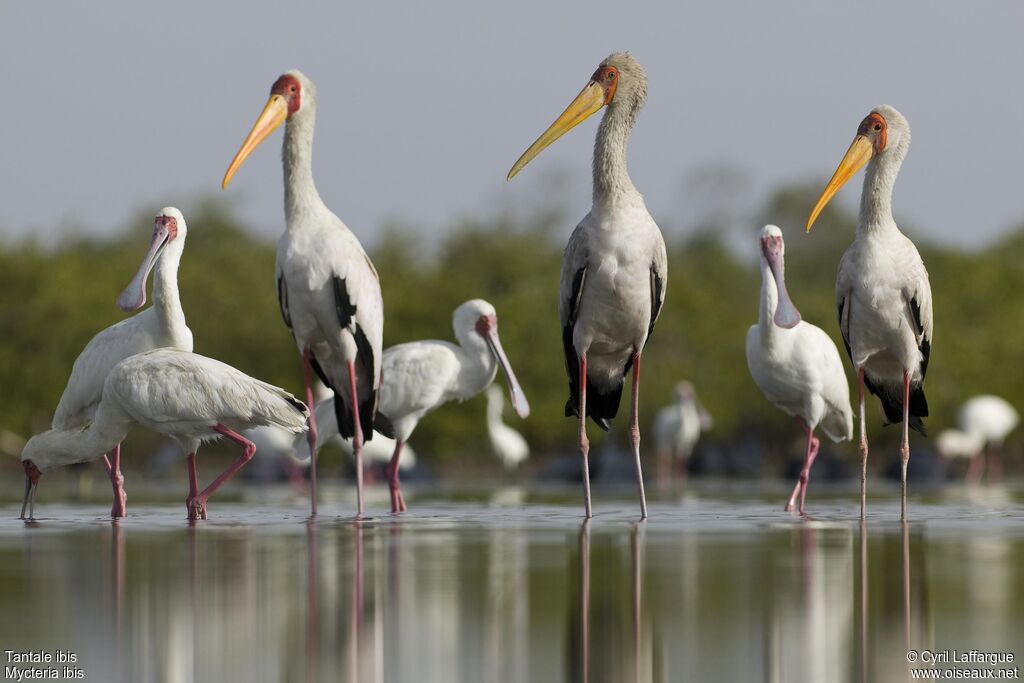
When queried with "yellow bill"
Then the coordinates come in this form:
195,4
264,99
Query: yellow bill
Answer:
858,155
590,99
272,116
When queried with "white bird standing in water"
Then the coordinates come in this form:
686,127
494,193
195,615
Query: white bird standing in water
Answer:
615,270
677,429
160,325
796,364
327,287
883,295
508,444
185,396
984,423
421,376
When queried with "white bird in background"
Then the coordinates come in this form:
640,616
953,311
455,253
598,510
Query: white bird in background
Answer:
160,325
508,444
615,270
796,364
185,396
984,422
423,375
327,287
677,429
883,296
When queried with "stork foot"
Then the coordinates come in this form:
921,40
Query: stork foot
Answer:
196,507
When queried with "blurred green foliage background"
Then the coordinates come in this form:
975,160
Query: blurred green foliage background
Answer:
56,299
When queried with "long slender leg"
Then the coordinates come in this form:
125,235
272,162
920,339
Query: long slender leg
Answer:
198,503
905,445
357,438
307,376
117,482
805,476
584,442
634,433
791,503
193,485
975,469
863,448
585,600
397,502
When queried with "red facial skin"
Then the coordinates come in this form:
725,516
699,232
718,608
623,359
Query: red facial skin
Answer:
874,128
608,78
31,471
485,324
171,223
290,89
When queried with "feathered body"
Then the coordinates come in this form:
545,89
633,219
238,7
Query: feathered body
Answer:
989,417
677,427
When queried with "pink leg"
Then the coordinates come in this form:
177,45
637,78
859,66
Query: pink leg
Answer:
905,445
397,502
806,475
863,448
193,486
634,433
584,441
197,504
307,376
357,439
994,461
976,468
117,481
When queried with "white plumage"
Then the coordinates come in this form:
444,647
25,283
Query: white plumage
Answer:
188,397
509,445
677,429
160,325
984,423
883,295
328,289
795,364
424,375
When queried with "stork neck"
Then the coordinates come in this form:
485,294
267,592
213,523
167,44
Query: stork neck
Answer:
166,298
611,177
300,193
876,197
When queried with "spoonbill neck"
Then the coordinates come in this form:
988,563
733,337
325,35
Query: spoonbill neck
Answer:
876,197
65,447
478,366
300,193
611,177
166,298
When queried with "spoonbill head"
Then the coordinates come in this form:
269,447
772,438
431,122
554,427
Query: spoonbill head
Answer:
477,320
169,231
773,255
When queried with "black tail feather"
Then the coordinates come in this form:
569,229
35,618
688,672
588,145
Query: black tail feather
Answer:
602,404
891,397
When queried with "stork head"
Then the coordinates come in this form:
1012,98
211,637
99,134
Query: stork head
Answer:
169,230
478,318
291,94
619,82
773,252
883,133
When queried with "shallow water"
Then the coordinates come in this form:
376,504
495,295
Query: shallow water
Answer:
718,585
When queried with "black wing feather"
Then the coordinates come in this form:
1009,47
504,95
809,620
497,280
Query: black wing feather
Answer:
364,366
657,284
282,301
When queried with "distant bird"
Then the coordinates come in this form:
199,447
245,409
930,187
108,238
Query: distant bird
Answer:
796,364
615,268
160,325
955,444
421,376
185,396
327,287
883,296
508,444
984,423
677,429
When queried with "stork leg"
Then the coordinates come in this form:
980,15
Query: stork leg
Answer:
117,482
307,376
634,433
584,442
397,502
193,486
905,446
357,438
863,448
197,503
805,473
976,468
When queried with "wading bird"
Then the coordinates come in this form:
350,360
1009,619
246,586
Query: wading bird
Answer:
421,376
327,287
986,420
883,296
160,325
615,269
677,429
508,444
185,396
795,364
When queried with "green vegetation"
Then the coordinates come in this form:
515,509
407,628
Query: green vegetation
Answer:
55,300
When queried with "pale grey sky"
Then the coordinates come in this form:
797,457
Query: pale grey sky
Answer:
113,107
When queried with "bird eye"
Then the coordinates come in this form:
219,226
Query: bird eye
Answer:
292,88
878,126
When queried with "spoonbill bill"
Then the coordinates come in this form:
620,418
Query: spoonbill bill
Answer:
883,296
615,268
327,287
